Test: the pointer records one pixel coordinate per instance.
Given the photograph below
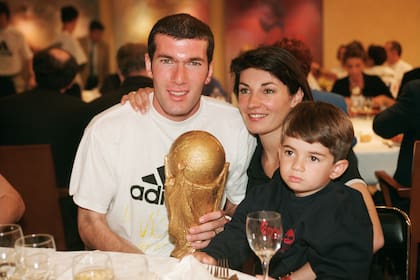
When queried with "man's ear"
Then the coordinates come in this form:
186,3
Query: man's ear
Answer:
148,63
209,74
339,168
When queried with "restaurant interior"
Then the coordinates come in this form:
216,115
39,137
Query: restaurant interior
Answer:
238,26
336,22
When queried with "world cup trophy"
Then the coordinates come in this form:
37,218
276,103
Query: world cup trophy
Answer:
195,172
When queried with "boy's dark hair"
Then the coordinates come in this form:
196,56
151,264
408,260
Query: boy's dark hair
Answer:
68,13
323,123
181,26
51,71
377,54
96,25
130,57
277,61
4,9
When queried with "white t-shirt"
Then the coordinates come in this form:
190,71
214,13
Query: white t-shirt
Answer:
400,67
387,75
66,41
119,167
14,51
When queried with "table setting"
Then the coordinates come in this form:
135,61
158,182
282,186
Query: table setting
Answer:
373,152
137,266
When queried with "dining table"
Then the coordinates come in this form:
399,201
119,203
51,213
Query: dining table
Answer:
372,151
137,266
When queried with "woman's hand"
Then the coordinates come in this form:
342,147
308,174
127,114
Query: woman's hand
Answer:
139,100
210,224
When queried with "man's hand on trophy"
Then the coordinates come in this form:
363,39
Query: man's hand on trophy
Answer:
210,224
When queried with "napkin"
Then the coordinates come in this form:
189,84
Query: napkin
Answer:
189,268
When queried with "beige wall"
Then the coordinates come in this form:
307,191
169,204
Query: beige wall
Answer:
372,22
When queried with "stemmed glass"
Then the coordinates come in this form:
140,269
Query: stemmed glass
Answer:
34,251
9,233
264,231
92,265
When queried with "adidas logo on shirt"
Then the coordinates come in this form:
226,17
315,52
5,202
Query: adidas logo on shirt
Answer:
150,194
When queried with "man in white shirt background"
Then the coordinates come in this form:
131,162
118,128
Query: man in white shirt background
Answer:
394,60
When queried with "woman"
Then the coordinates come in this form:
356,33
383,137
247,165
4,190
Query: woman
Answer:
268,85
360,83
269,82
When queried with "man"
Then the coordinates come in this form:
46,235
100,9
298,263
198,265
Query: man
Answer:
65,40
413,74
402,117
46,116
15,57
394,60
117,178
97,67
132,73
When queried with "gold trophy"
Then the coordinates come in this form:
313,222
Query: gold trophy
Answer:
195,172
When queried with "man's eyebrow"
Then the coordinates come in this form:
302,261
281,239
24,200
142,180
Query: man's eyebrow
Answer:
171,57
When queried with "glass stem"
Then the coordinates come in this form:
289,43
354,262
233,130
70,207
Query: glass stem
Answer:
265,264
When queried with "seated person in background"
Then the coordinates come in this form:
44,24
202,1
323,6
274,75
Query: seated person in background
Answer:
339,71
131,72
409,76
394,59
118,174
303,54
45,115
214,89
376,57
110,84
402,117
325,223
358,83
12,206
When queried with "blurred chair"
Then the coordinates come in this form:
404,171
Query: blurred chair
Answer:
413,193
30,169
392,260
386,182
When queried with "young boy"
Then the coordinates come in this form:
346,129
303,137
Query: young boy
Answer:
326,224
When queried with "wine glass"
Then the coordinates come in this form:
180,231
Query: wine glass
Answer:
34,252
92,265
264,232
9,233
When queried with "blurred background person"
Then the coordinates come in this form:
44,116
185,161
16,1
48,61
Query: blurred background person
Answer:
214,89
339,70
16,73
393,53
403,117
375,65
413,74
131,71
45,115
12,206
358,83
69,16
97,50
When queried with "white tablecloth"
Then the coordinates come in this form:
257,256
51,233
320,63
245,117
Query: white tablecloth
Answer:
374,154
130,266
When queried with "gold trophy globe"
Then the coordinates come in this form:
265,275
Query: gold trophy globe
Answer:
195,172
